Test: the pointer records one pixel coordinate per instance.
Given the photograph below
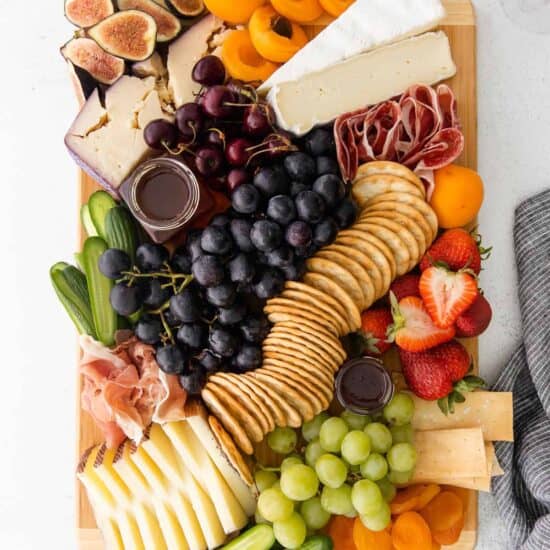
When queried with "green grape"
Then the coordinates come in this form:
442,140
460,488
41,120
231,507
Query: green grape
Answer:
299,482
399,410
290,532
379,520
276,485
375,467
282,440
332,434
290,461
400,478
337,501
273,505
355,421
265,479
313,452
402,457
310,430
355,447
258,518
331,470
387,489
366,497
402,434
313,513
380,437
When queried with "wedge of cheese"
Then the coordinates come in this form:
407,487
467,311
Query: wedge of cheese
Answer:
491,411
365,25
365,79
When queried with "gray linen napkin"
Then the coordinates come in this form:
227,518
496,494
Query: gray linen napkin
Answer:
523,493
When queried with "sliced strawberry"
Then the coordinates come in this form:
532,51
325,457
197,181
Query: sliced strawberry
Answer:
475,319
413,329
446,294
374,327
406,285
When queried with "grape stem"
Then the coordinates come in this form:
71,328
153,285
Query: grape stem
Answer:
166,327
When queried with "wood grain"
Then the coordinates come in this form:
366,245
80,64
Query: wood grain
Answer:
460,27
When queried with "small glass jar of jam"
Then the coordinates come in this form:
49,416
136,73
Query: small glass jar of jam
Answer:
165,196
364,386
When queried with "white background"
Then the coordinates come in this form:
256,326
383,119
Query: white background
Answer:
38,227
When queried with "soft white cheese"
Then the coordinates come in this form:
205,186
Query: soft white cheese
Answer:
365,25
366,79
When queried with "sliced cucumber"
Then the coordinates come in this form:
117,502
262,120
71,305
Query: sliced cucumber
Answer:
120,231
99,288
259,537
99,204
86,221
72,290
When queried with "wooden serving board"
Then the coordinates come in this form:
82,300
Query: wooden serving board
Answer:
460,27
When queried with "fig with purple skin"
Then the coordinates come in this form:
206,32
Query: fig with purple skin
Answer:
168,25
187,8
86,13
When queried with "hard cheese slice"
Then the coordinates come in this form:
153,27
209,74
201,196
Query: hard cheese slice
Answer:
366,79
365,25
491,411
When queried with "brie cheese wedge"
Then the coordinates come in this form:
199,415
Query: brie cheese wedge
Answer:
366,79
365,25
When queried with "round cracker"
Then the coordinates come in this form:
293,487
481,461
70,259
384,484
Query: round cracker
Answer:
422,206
310,325
340,275
294,356
277,312
302,404
406,210
320,372
277,344
328,286
313,308
355,268
367,187
299,296
390,168
397,245
247,399
228,421
361,258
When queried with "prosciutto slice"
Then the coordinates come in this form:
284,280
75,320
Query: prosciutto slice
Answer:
124,390
419,129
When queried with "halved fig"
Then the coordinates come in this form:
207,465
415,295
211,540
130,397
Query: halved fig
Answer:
130,34
86,13
168,25
86,54
189,8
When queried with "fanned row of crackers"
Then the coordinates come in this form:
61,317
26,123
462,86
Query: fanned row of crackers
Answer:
302,352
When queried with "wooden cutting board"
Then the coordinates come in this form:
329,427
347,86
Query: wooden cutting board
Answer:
460,27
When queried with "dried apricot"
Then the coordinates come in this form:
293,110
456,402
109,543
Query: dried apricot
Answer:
233,12
301,11
336,7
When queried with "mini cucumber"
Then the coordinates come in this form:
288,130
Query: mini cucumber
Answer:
72,290
99,289
86,221
318,542
99,204
259,537
120,231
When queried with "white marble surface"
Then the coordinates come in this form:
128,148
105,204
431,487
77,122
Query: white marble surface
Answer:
38,227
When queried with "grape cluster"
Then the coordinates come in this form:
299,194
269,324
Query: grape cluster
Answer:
189,306
349,466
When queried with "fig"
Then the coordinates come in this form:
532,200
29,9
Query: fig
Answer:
168,25
130,34
189,8
87,55
86,13
83,83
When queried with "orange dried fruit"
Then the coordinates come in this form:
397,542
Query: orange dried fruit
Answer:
340,530
233,12
444,513
300,11
336,7
365,539
411,532
414,498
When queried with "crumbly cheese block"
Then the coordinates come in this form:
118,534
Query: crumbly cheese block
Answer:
365,25
491,411
365,79
450,454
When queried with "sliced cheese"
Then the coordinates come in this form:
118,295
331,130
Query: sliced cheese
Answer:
169,525
365,25
242,491
366,79
129,530
151,533
450,454
100,496
193,455
491,411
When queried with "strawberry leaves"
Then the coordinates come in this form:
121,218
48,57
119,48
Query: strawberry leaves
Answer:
467,384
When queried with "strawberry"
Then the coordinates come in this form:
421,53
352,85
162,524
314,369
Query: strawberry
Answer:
475,319
447,295
406,285
374,326
413,329
440,373
456,249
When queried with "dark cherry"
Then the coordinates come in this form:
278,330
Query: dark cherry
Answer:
215,137
189,119
159,134
237,177
209,161
237,151
216,102
257,120
209,71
